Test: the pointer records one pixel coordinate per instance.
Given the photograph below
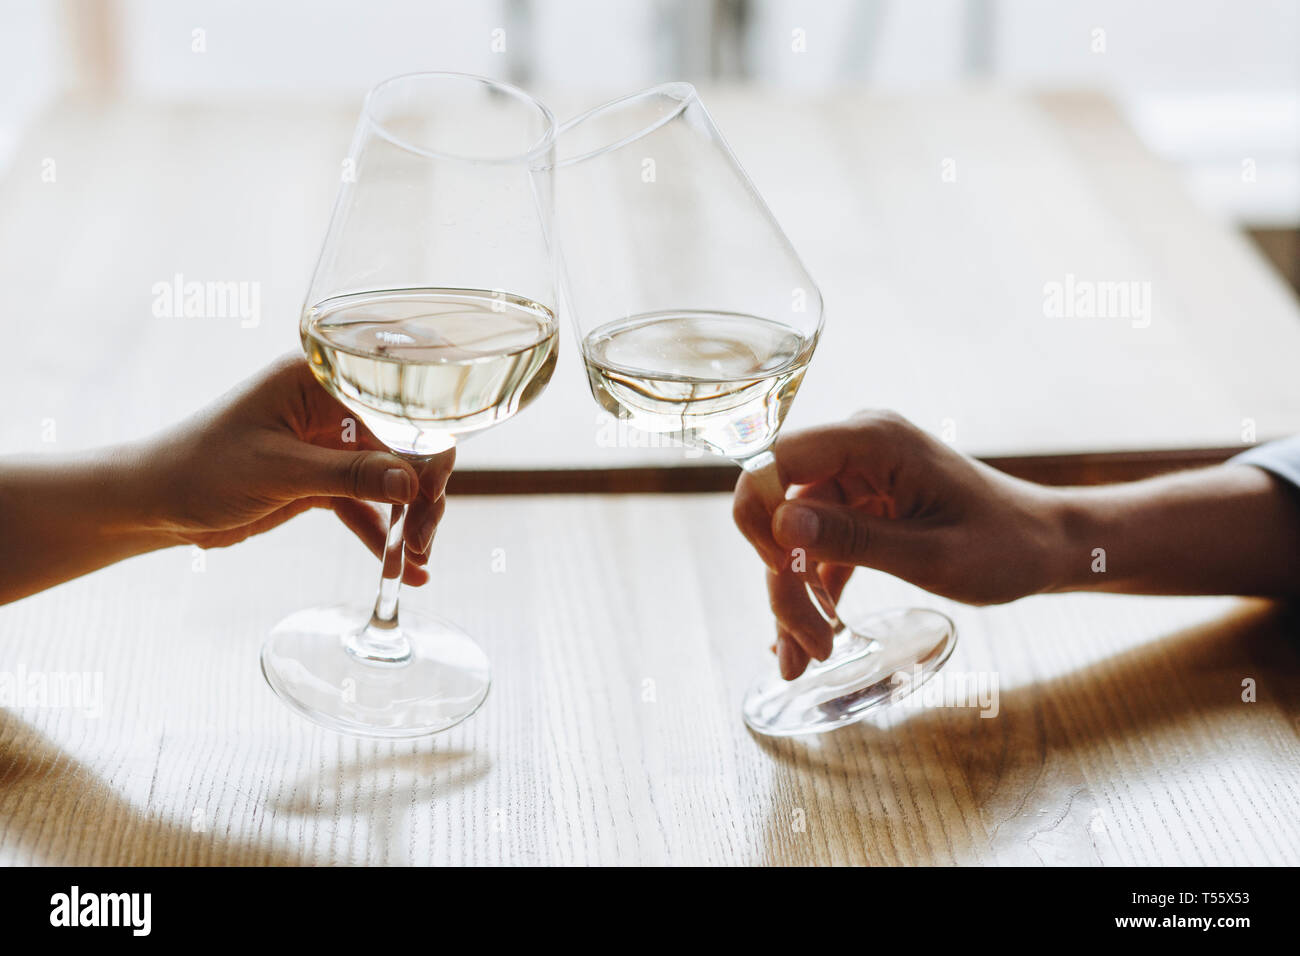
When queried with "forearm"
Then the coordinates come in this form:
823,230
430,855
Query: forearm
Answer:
64,517
1234,529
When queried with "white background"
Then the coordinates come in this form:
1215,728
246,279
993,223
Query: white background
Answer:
1207,83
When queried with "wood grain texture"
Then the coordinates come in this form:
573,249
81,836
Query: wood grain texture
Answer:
622,631
934,288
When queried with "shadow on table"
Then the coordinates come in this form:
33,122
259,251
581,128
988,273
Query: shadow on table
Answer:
417,777
1152,707
382,789
54,810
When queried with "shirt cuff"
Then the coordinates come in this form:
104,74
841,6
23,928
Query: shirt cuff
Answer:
1281,458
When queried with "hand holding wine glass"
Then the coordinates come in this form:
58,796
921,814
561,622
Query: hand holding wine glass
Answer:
877,491
286,446
697,319
282,445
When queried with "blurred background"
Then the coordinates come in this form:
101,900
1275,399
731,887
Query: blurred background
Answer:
203,137
1205,83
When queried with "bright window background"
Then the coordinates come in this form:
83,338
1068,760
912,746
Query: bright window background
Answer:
1208,84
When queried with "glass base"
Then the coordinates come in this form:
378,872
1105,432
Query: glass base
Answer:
308,662
858,677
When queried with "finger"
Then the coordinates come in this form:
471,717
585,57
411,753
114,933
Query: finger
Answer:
229,536
363,521
850,490
831,491
414,575
790,656
422,521
841,535
872,442
750,512
434,473
861,452
426,510
372,530
307,469
835,577
797,615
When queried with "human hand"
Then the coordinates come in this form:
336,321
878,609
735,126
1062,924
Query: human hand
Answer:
271,449
877,491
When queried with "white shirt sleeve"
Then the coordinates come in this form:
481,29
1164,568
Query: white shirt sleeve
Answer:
1281,458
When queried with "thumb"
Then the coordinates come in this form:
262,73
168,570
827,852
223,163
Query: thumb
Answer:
842,535
371,475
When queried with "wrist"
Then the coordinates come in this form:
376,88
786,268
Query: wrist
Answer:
1070,540
132,506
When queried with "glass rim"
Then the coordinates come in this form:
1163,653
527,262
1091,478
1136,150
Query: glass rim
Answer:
545,143
684,92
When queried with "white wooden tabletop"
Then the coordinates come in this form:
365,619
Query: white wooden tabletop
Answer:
622,631
933,223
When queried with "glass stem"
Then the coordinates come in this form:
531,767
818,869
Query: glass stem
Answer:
762,467
381,641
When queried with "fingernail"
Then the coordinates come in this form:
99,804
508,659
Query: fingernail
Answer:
441,487
424,535
397,485
798,525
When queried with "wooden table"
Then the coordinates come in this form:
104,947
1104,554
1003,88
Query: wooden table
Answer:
622,631
933,275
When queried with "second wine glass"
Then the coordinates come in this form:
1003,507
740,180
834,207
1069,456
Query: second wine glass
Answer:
697,319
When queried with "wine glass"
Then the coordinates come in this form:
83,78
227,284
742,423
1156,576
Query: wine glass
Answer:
430,316
696,319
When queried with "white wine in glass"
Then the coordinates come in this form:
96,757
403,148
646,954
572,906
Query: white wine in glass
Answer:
424,367
430,317
717,381
697,319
